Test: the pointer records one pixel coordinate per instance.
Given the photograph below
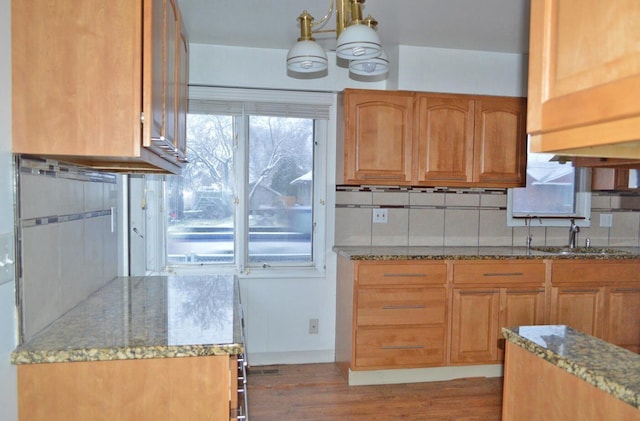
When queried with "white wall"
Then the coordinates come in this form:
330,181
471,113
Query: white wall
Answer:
277,310
8,388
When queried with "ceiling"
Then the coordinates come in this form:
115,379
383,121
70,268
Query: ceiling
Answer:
485,25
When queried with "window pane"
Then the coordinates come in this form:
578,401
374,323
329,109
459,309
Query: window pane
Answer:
200,202
280,190
550,188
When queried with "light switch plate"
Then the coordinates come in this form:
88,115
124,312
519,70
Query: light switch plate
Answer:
7,258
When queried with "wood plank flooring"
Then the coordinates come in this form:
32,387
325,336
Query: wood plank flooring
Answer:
319,392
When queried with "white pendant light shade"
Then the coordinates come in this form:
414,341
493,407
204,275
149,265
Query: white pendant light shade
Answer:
358,42
370,67
307,57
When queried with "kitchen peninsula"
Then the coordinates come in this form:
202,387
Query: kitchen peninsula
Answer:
139,348
409,314
555,372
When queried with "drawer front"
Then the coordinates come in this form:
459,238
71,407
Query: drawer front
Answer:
399,347
496,273
400,306
595,271
400,273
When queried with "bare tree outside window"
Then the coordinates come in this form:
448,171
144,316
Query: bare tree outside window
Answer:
278,192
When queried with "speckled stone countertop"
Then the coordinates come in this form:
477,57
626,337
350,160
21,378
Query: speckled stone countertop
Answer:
468,253
607,367
144,317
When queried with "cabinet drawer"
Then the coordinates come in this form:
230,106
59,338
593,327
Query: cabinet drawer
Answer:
400,306
595,271
498,273
396,347
399,273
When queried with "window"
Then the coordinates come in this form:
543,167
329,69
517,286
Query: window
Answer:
555,191
251,195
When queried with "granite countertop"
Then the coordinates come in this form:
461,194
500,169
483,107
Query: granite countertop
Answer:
468,253
608,367
144,317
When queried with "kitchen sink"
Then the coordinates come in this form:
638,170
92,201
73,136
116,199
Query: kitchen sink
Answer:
578,250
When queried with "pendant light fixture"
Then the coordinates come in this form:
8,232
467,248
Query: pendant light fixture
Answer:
357,42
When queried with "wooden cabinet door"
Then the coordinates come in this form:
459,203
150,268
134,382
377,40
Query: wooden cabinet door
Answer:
580,307
75,78
378,137
444,140
584,64
474,325
500,143
165,17
182,70
520,307
623,319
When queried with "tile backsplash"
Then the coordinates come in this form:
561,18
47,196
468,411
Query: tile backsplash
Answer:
67,238
467,217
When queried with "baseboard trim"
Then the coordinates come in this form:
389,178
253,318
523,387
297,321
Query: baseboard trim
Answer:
293,357
420,375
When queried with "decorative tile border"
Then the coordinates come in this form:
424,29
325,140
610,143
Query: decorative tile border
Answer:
49,168
58,219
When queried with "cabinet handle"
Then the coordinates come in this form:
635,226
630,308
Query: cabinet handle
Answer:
383,177
527,291
403,307
445,178
579,290
626,290
489,291
503,274
404,275
402,347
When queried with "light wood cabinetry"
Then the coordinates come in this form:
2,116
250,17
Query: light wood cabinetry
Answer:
599,298
466,140
429,139
378,137
410,314
147,389
97,85
490,295
583,63
394,313
535,389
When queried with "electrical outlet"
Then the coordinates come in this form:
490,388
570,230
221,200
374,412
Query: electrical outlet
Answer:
380,216
606,220
313,326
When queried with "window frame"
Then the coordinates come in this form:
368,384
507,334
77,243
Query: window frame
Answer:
263,99
582,207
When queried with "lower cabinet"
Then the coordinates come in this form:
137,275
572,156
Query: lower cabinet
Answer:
623,317
143,389
490,295
430,313
600,298
391,315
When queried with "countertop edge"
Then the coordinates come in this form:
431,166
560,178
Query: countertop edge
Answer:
20,356
382,253
586,374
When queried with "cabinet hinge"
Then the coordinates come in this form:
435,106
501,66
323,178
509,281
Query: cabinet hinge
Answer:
142,118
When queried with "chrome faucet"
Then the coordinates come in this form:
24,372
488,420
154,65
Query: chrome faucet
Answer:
527,222
573,233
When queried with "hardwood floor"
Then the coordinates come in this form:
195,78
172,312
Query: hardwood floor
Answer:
319,392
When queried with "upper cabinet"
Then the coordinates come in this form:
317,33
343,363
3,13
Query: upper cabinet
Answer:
429,139
470,140
584,66
378,137
100,85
